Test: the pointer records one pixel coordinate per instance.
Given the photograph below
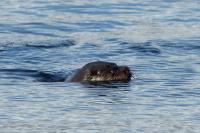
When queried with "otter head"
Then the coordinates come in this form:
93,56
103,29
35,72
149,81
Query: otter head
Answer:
102,71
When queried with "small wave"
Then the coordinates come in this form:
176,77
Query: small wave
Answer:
50,77
1,50
20,29
35,74
146,49
182,44
38,44
52,44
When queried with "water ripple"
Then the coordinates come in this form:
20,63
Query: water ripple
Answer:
43,41
22,74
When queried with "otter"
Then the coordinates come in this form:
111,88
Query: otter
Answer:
101,71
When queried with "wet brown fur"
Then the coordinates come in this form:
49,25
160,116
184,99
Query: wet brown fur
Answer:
102,71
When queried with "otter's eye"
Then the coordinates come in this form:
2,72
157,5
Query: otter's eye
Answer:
112,72
98,72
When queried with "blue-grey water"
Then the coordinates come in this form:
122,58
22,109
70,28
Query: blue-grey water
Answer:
43,42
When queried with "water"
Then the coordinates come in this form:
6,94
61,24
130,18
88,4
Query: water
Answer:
44,42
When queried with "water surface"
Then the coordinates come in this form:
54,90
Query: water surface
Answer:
42,43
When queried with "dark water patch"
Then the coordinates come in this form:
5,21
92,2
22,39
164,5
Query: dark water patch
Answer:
174,95
36,25
157,47
113,40
195,92
51,44
19,98
24,46
89,46
7,44
184,20
11,28
45,26
2,50
147,48
50,77
4,32
20,30
181,93
35,74
183,46
15,71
